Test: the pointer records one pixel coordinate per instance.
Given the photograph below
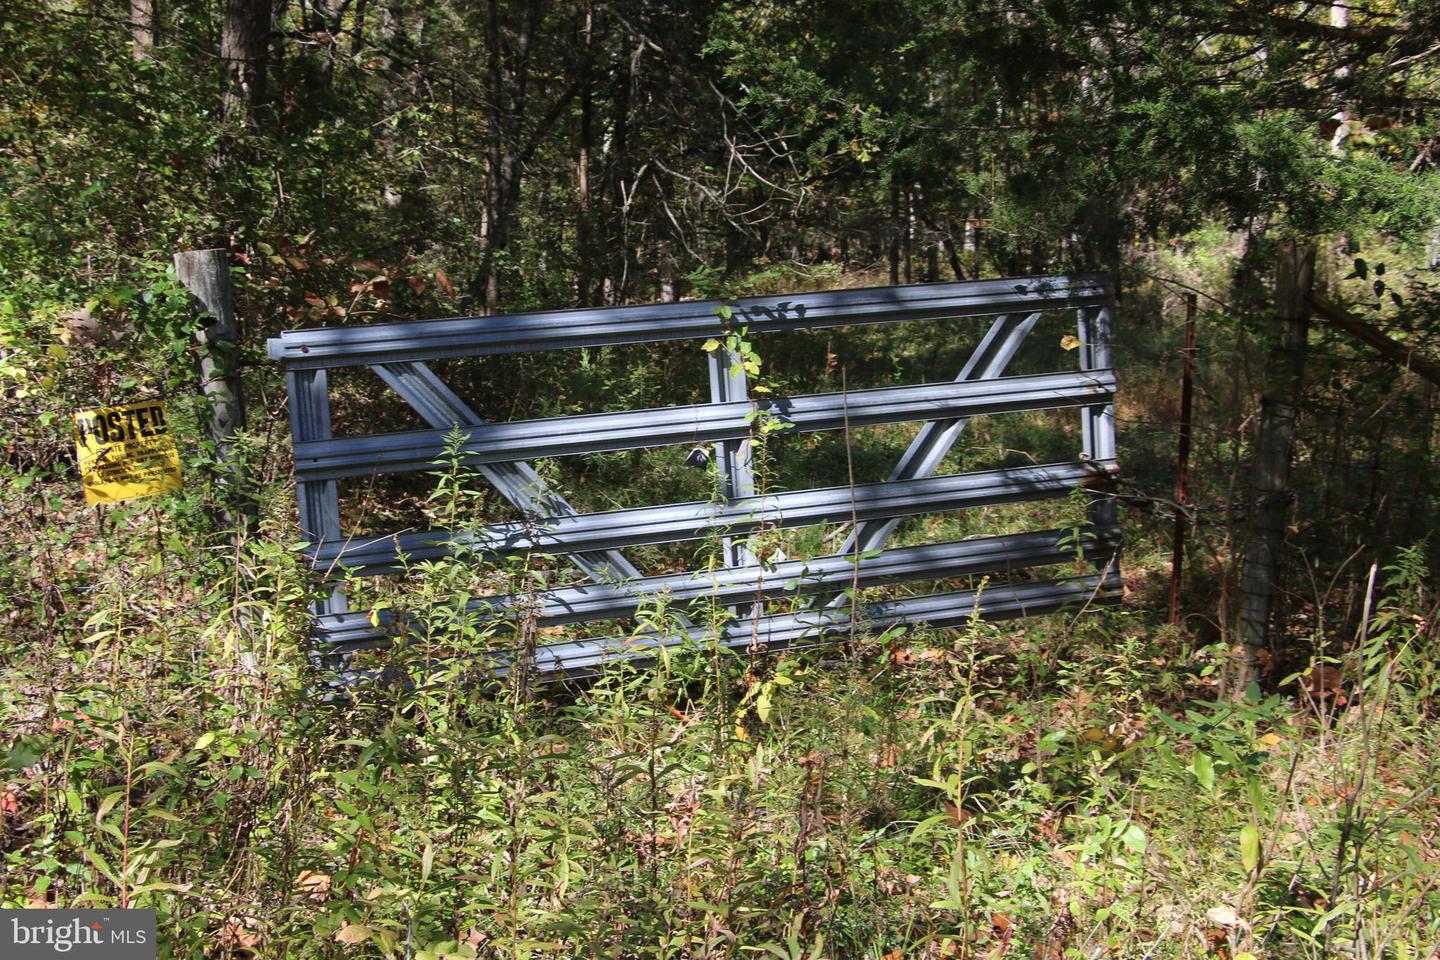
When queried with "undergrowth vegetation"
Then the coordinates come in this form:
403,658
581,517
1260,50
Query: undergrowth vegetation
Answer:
1071,787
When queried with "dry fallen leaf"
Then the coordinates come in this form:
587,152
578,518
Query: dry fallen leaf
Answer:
238,936
315,884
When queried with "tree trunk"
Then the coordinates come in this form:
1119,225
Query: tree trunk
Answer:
894,231
392,33
508,79
582,162
142,28
617,172
1270,498
909,238
244,46
206,274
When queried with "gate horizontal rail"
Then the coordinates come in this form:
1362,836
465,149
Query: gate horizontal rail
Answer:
729,585
686,320
671,523
699,423
397,353
580,659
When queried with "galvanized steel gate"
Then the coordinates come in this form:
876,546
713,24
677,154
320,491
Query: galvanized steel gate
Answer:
398,352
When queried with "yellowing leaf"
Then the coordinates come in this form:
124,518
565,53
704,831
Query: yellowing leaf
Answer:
1249,848
108,804
1069,342
710,345
353,933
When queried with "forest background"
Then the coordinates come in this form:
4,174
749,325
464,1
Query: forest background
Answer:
1107,785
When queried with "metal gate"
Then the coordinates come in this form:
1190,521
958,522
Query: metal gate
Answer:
398,353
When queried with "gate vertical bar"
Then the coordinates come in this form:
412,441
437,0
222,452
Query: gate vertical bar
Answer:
1097,422
733,458
318,500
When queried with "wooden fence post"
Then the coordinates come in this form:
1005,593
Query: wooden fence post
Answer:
206,274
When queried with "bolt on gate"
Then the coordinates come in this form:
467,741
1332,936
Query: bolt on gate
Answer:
594,542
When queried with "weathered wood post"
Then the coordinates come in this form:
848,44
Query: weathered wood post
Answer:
206,274
1270,496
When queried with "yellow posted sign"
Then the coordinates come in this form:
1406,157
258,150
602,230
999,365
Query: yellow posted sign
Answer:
126,452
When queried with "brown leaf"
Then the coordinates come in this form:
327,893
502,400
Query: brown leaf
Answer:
1322,681
958,815
237,935
443,282
417,284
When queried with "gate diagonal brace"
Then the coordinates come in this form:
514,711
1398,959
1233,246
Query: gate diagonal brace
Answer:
935,439
517,481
